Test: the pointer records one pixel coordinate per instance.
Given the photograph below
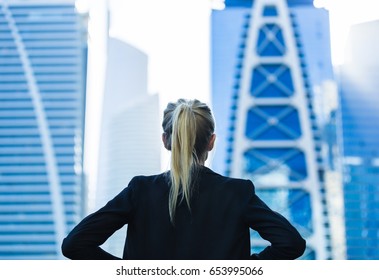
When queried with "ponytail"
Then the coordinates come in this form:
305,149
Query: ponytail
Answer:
183,158
188,126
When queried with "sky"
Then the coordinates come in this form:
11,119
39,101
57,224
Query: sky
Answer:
343,14
175,35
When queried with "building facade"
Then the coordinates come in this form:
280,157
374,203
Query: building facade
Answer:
130,142
359,130
266,67
43,47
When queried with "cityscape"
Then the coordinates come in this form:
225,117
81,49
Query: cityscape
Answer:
81,111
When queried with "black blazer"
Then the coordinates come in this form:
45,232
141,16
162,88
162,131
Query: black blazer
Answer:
216,227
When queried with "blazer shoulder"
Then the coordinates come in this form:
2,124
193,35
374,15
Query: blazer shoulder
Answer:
143,182
245,184
149,178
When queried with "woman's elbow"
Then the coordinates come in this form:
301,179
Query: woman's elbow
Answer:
299,246
68,249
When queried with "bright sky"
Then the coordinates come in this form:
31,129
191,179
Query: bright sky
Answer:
175,35
343,14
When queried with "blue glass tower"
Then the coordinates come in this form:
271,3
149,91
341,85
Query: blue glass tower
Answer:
266,62
359,117
42,86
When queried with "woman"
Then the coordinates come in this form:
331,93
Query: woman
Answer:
189,212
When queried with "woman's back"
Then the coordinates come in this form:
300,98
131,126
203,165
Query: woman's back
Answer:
214,228
189,212
217,226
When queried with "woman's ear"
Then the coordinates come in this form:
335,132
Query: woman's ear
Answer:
211,142
165,142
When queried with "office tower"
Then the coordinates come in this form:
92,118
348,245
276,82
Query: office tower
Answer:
328,103
268,58
42,86
359,117
130,141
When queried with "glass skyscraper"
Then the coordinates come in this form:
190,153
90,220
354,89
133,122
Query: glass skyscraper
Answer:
268,60
130,129
359,131
43,46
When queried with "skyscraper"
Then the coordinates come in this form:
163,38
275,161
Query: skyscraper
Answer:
130,128
359,130
266,65
42,92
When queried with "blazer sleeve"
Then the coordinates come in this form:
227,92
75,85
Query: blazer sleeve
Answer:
85,239
286,241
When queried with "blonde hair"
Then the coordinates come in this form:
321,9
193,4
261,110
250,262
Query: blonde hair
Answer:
188,126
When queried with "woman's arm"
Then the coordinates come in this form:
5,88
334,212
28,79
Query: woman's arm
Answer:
84,241
286,241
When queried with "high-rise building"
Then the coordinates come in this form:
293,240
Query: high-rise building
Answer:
359,117
130,141
268,60
43,47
